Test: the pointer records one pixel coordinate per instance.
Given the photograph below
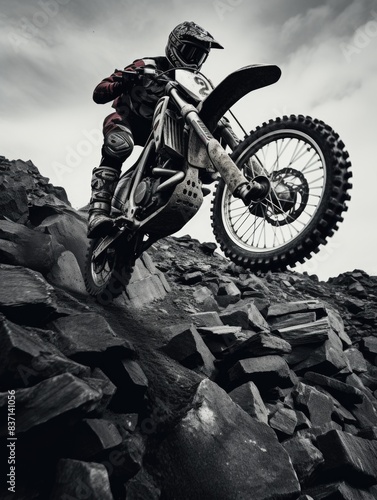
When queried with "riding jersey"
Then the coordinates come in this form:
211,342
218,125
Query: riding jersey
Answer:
129,94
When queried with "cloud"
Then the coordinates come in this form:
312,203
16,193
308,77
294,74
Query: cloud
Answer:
51,61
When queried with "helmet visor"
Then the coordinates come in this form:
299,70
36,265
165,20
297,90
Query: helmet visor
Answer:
193,54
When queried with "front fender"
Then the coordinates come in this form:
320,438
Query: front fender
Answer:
233,88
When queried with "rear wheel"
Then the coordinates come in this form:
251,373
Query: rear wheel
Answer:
308,168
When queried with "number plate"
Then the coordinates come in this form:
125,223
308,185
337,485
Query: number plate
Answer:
196,85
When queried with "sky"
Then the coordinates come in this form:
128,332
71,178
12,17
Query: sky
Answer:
54,52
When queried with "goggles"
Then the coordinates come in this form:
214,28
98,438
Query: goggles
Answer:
193,54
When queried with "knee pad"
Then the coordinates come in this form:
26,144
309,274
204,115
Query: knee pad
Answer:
118,143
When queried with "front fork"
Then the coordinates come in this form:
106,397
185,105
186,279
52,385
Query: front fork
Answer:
249,191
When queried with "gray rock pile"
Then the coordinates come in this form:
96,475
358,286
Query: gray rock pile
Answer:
204,381
297,355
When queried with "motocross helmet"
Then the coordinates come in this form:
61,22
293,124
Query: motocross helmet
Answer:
189,45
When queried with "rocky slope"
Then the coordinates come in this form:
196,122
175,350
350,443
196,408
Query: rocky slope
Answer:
203,381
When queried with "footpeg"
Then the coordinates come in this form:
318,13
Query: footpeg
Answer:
123,222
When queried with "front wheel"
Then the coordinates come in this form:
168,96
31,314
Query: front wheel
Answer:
108,275
308,169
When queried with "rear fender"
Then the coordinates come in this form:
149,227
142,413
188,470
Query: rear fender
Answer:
233,88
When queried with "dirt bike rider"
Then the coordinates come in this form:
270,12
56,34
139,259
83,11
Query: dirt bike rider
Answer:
135,98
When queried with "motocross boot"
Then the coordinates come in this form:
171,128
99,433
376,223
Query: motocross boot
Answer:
104,182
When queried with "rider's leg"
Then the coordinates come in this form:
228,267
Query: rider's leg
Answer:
117,147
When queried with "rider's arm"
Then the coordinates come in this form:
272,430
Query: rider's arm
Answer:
110,88
119,82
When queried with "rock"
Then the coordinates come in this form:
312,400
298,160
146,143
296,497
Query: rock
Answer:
227,293
142,487
299,354
67,305
130,457
300,306
302,421
49,399
266,372
20,246
13,201
337,325
247,316
327,359
251,283
354,305
192,278
309,333
365,413
368,433
258,344
369,345
25,359
369,380
27,298
316,405
343,392
89,338
75,479
68,228
356,360
358,290
101,383
200,456
356,382
306,458
204,297
17,174
147,283
218,338
341,491
208,247
341,414
91,437
66,273
261,303
292,319
284,422
206,319
128,423
131,382
248,397
188,348
349,458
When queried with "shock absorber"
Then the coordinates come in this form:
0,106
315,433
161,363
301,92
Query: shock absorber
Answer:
237,183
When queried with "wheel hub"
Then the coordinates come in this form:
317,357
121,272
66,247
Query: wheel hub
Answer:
287,199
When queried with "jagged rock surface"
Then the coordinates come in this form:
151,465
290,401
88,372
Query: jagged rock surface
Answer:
202,381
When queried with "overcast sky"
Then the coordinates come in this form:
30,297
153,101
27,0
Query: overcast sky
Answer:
54,52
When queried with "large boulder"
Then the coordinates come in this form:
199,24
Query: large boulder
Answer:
67,227
76,479
27,298
21,246
26,359
49,399
217,451
349,458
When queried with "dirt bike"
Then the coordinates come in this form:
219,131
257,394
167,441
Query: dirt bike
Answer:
280,195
